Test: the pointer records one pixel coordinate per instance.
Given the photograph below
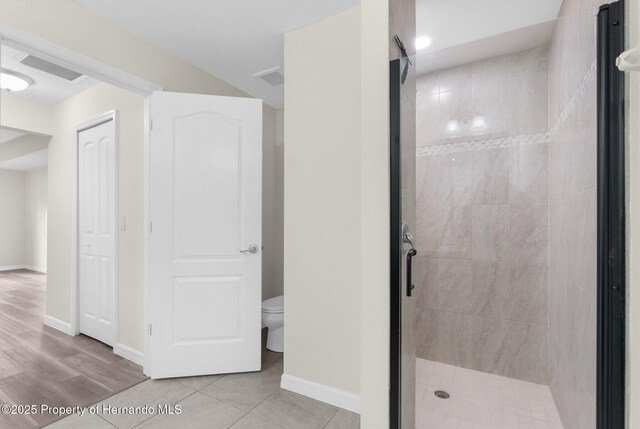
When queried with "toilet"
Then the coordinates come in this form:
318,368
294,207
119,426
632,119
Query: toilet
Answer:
273,318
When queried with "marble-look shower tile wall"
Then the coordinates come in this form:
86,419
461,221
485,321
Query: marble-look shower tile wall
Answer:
482,215
572,214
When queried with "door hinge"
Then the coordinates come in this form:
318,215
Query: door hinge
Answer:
151,125
150,226
150,329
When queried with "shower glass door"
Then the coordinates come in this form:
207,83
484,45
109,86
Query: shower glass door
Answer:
403,223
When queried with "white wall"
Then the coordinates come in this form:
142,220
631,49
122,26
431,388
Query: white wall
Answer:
23,207
22,145
322,202
375,213
12,222
35,216
315,120
23,114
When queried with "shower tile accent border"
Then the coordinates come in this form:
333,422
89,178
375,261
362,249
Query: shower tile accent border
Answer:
480,144
577,96
507,141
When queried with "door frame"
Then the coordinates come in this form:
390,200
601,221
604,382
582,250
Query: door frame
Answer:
611,340
395,255
75,216
611,263
34,45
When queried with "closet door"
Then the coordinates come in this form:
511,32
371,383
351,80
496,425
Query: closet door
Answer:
97,231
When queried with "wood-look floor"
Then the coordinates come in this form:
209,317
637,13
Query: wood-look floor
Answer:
40,365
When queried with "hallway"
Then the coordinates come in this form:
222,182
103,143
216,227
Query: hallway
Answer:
40,365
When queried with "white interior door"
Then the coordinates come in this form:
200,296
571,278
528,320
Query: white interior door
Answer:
204,290
97,232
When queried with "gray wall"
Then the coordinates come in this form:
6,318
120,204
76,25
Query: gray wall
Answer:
481,273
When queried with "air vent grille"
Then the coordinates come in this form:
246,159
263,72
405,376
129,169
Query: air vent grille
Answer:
51,68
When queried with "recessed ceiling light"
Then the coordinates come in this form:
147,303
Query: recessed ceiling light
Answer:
422,42
13,82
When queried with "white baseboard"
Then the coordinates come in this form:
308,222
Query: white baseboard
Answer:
24,267
42,270
129,353
12,267
120,349
58,324
330,395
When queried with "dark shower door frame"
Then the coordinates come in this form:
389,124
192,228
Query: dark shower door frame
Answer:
395,267
610,398
611,348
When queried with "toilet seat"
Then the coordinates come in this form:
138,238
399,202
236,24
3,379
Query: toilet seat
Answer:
273,305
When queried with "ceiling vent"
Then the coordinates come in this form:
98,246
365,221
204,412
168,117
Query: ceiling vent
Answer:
272,76
51,68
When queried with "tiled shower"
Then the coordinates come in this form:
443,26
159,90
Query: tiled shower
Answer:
506,215
483,215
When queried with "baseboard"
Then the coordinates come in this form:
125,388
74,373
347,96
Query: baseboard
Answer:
58,324
129,353
12,267
23,267
330,395
42,270
120,349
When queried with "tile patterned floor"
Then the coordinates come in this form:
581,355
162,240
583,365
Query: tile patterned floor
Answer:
238,401
39,365
480,400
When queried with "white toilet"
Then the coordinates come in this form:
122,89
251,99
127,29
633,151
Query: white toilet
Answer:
273,318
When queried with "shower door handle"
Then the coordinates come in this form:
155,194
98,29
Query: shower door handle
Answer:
410,254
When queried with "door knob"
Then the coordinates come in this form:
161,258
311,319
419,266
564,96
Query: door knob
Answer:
253,249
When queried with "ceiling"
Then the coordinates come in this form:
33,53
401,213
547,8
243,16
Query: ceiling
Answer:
47,88
501,44
232,40
454,22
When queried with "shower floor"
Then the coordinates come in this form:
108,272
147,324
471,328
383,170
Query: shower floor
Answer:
480,400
